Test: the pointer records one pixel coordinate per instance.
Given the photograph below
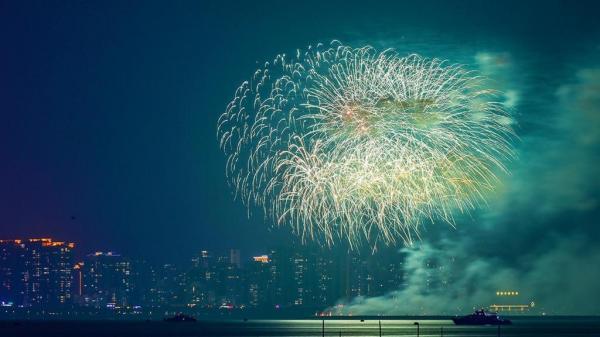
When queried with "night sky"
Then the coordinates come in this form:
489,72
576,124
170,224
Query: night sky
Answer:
109,110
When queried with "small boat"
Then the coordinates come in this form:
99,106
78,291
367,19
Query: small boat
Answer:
481,317
180,318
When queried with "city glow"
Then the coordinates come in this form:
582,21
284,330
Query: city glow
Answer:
361,145
261,258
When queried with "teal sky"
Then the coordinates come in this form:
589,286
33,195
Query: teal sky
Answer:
109,110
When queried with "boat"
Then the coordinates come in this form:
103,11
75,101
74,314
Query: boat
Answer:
481,317
180,318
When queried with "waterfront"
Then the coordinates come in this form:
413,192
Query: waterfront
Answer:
539,326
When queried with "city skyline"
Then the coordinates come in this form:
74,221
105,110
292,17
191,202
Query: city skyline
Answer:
42,275
41,278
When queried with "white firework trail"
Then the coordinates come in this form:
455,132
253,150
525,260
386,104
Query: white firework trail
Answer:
353,144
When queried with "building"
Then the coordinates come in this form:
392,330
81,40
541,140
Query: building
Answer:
36,272
144,284
60,263
12,272
301,287
280,278
323,292
228,282
257,281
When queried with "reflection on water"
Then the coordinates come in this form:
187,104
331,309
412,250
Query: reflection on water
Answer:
555,327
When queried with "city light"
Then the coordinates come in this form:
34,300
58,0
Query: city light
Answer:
103,281
262,258
507,293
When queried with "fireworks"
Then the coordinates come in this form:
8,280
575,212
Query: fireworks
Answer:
353,144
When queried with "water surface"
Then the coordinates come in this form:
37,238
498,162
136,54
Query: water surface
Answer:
555,327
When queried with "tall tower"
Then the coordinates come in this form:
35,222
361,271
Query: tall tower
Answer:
106,280
12,269
48,272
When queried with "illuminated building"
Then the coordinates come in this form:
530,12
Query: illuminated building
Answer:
48,267
215,281
12,271
324,283
261,258
171,286
396,277
228,281
358,276
78,279
257,281
377,274
38,272
202,280
106,280
144,284
280,277
301,289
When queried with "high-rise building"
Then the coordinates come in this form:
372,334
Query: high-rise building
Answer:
12,271
47,277
40,274
60,263
280,277
257,281
37,272
144,284
323,292
200,279
171,286
227,282
106,280
301,288
359,281
77,282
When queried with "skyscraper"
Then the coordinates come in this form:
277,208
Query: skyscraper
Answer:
257,281
234,258
324,284
36,272
106,280
12,271
300,290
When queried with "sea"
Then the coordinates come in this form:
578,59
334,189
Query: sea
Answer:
531,326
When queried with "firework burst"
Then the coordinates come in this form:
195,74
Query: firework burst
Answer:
353,144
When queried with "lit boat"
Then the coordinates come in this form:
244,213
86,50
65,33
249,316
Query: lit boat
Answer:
180,318
481,317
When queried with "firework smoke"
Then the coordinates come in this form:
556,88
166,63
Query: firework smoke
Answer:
360,145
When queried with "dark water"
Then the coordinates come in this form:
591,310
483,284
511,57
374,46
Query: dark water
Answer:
555,327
